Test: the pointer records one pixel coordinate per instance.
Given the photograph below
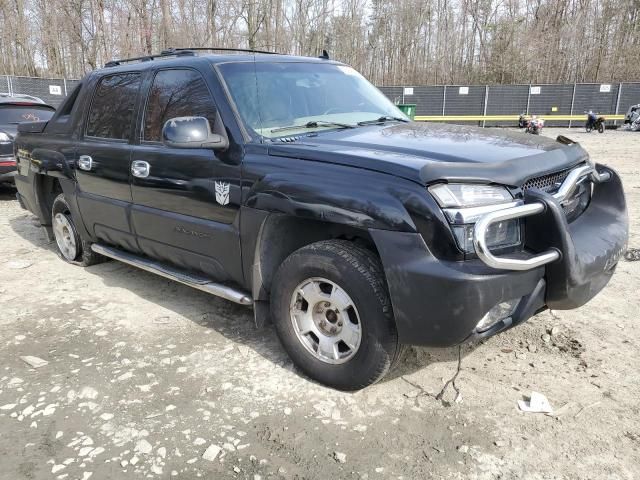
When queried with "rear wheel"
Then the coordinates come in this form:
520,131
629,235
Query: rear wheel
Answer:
333,315
601,127
71,247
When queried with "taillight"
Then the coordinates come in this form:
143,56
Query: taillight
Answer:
8,163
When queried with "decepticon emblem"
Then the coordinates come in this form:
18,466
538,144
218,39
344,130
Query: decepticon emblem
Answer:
222,193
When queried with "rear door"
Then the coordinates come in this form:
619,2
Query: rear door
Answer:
103,158
186,204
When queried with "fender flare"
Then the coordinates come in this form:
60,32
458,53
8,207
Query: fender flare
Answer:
50,162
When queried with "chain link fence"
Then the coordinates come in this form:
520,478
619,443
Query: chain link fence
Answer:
440,102
51,90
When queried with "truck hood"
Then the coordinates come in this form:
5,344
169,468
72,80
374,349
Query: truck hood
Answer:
430,152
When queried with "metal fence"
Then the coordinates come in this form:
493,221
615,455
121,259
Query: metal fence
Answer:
486,104
51,90
493,105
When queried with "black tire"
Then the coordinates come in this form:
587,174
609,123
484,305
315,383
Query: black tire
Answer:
601,128
83,256
588,128
359,273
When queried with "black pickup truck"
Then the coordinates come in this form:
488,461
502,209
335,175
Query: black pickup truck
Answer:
294,186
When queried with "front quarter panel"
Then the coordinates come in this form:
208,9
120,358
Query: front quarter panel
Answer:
332,193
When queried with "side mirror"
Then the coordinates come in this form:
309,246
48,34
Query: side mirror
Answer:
192,132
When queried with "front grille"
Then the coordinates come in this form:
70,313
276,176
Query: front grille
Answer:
572,206
546,183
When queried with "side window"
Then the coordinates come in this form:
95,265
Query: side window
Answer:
67,106
111,112
176,93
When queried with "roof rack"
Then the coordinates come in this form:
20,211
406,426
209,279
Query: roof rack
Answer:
180,52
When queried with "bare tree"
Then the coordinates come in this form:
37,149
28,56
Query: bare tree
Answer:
392,42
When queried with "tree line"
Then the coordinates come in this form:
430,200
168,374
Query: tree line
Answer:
392,42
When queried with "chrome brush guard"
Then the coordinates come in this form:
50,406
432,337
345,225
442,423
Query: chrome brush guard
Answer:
575,177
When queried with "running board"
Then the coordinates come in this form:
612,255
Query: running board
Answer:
201,283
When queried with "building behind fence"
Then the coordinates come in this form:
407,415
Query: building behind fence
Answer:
557,100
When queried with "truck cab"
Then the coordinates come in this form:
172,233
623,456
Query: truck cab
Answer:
292,185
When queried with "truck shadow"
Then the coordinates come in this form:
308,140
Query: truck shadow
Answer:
234,322
7,193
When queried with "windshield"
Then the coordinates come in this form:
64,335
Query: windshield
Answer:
303,96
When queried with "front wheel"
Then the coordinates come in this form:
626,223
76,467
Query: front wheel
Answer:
71,247
588,127
333,315
601,128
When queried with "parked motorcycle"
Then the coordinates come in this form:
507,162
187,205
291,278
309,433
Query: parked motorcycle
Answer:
535,125
632,120
594,122
523,120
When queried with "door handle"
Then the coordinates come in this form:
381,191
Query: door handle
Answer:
140,169
85,162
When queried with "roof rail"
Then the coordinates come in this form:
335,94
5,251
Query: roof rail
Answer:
179,52
221,49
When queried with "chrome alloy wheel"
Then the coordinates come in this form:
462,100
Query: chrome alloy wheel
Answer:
325,320
65,236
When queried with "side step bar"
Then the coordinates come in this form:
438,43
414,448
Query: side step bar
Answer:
188,279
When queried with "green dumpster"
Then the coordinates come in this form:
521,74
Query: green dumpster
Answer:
409,109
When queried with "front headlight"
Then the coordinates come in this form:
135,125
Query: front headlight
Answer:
499,235
5,137
450,195
464,204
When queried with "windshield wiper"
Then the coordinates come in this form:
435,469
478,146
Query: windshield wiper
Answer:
383,119
312,124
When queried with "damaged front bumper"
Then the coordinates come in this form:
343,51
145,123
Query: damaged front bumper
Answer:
444,303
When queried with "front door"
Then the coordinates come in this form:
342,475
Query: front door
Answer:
103,156
186,201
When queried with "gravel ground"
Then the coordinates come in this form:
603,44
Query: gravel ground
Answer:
148,378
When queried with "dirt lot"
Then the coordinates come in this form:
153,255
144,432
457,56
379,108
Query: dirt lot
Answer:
144,375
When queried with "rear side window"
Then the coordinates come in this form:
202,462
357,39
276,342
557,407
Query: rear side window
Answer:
111,113
176,93
67,106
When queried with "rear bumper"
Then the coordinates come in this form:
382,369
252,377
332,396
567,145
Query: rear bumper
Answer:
7,169
439,303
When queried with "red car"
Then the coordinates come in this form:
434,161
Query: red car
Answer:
15,109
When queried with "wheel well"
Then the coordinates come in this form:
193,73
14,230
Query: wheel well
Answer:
46,189
281,235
